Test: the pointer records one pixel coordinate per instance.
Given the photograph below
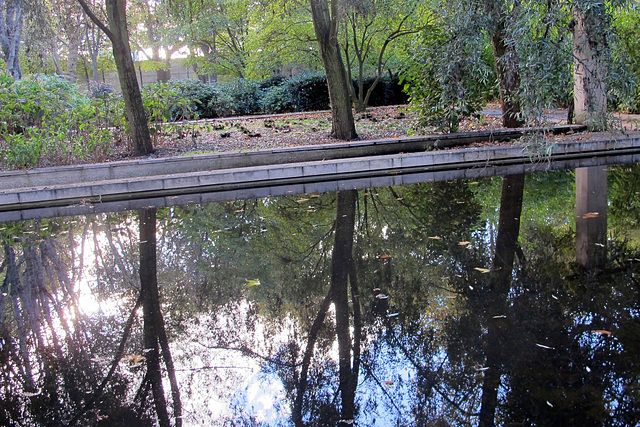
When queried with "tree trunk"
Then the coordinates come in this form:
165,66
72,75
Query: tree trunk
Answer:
138,126
507,63
325,23
11,22
119,36
72,60
589,67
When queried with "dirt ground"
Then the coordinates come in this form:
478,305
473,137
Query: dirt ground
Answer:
287,130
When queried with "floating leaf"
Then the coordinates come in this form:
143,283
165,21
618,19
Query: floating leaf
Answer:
254,282
545,346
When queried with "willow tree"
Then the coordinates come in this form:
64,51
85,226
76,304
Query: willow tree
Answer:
326,19
118,33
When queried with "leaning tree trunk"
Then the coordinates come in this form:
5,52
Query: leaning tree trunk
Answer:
589,65
116,14
325,23
119,36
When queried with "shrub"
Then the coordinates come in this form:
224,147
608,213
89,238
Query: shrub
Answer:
242,97
46,117
276,99
308,92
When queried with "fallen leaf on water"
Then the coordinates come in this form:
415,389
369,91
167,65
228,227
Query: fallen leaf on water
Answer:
545,346
482,270
602,331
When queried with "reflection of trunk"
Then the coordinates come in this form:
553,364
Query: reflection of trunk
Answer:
342,273
506,243
154,332
341,265
591,216
296,416
12,281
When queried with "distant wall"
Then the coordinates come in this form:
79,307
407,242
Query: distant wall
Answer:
178,72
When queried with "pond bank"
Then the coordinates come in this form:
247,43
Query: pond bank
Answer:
92,188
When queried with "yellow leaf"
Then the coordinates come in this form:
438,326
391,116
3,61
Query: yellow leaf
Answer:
254,282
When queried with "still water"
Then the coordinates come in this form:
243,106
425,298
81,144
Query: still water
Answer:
508,300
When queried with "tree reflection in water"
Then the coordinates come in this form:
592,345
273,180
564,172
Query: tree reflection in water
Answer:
450,303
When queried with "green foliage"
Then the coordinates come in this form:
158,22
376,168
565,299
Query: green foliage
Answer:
626,91
242,97
48,118
275,99
450,74
308,92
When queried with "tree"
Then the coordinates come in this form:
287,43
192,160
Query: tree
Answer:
11,23
370,29
119,36
326,19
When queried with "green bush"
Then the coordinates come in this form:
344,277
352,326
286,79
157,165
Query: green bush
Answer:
276,99
47,120
202,98
308,92
242,97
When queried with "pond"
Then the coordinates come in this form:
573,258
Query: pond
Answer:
507,300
